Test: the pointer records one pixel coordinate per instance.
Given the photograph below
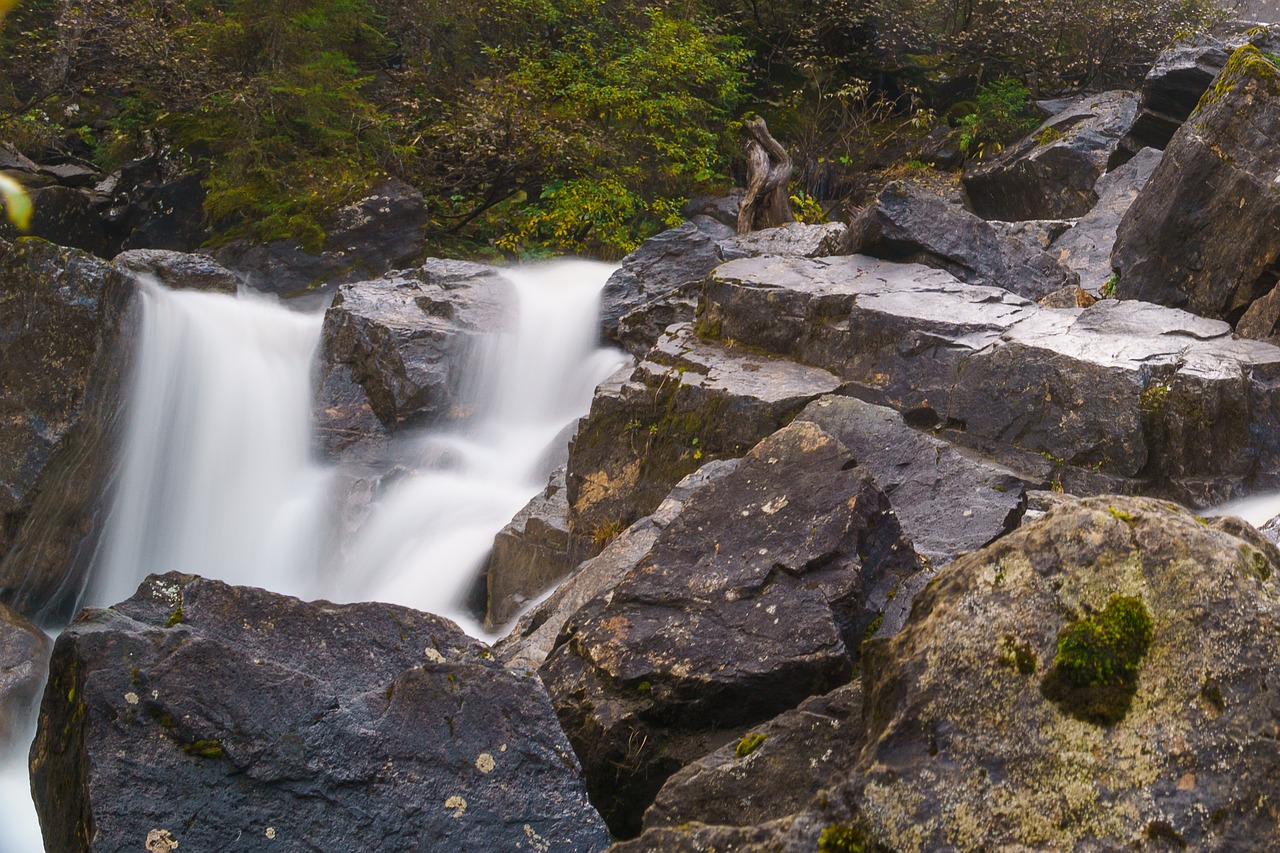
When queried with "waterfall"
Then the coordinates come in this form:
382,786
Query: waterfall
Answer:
217,478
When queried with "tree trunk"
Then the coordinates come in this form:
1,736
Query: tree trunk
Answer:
766,204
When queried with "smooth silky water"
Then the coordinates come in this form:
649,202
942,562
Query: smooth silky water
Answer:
217,475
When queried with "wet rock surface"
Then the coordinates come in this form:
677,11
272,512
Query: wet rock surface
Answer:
1051,173
687,403
232,716
179,271
1189,409
1200,234
915,225
393,349
754,598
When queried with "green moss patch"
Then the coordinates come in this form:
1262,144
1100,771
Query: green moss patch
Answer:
1095,671
749,744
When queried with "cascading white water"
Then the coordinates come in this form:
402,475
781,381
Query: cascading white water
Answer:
217,478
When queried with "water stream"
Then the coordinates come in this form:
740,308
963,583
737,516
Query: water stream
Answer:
217,476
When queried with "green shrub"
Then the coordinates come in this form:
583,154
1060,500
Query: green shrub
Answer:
1000,115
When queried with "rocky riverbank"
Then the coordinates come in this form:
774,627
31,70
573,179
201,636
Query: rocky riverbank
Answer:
894,535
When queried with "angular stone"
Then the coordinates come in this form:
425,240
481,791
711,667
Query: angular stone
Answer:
1086,248
967,751
753,599
63,216
393,349
1189,410
535,634
1051,173
689,402
911,224
230,716
796,240
1199,235
50,303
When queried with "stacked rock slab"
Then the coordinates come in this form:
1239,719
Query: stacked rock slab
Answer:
228,717
968,743
1051,173
1190,411
754,598
687,403
24,654
1201,235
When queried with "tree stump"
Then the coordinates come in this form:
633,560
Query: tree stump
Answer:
766,204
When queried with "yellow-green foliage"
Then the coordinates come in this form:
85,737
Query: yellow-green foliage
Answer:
749,744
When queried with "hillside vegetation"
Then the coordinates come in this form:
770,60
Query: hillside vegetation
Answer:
534,126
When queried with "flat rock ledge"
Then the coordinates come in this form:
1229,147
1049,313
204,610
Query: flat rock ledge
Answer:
1120,396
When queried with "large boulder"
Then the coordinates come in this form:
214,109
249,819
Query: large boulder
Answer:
535,634
178,270
1051,173
1099,679
1086,248
912,224
380,232
1189,410
530,554
755,598
62,215
1200,235
687,403
24,655
393,349
216,716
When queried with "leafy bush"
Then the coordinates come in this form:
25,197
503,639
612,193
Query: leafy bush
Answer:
1000,115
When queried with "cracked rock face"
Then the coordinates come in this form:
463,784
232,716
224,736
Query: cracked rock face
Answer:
1051,173
1200,235
753,599
234,717
1189,410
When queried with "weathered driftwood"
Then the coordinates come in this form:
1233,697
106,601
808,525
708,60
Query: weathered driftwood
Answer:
766,204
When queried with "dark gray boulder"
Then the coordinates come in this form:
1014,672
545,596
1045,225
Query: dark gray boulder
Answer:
393,349
687,403
1051,173
178,270
229,716
912,224
754,598
657,284
64,216
1086,248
